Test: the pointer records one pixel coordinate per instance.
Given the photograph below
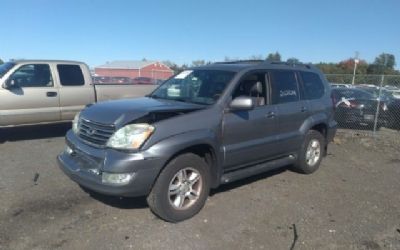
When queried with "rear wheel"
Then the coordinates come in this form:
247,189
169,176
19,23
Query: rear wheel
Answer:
181,189
311,153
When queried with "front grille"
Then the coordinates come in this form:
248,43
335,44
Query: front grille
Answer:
95,134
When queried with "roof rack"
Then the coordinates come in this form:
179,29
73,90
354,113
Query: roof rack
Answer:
291,64
308,66
241,61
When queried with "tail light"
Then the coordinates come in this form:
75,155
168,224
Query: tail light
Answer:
384,106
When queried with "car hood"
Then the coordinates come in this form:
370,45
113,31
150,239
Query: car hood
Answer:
122,112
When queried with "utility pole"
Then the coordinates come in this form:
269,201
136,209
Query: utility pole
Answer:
356,61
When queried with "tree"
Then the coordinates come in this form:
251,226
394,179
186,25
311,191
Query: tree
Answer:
347,66
256,57
230,59
383,64
173,66
274,57
293,60
1,61
196,63
387,60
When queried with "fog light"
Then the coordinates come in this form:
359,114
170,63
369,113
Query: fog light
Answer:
120,179
68,150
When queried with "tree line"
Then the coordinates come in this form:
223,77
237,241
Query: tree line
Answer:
383,64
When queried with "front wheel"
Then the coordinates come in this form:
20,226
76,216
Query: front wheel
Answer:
311,153
181,189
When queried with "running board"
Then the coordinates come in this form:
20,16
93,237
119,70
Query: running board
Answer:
257,169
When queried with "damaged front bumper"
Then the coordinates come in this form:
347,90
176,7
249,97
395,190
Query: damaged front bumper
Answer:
109,171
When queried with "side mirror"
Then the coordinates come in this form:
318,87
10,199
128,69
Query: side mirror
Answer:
10,84
242,103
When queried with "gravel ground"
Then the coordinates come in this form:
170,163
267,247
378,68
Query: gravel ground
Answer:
352,202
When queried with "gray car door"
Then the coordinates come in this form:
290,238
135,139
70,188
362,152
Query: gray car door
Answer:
293,111
249,136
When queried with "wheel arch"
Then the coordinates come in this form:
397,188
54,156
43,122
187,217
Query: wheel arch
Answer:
202,143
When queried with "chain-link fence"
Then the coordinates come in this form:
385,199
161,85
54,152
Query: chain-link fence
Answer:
366,102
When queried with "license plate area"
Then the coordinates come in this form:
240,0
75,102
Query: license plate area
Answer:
369,117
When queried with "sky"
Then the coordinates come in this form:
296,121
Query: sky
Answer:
182,31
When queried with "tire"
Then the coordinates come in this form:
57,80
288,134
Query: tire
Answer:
315,142
177,180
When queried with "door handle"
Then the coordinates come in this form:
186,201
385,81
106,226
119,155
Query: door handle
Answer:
271,114
51,94
304,109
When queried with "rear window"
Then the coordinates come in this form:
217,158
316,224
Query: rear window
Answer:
284,87
313,86
351,94
70,75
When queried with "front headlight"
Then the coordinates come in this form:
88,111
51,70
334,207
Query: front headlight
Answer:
131,136
75,123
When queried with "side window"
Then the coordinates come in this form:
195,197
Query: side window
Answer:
33,75
313,86
252,85
70,75
284,86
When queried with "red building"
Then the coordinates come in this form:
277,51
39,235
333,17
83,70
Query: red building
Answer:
132,69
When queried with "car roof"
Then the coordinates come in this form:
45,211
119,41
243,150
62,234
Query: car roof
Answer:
350,89
44,61
237,66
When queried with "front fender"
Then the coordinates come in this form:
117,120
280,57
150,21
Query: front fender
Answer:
172,146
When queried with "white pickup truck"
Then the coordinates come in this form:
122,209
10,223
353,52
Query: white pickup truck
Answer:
50,91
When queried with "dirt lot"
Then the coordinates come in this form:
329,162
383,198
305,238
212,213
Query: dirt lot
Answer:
352,202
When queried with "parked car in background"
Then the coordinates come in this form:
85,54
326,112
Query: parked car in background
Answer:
376,92
101,79
48,91
143,80
340,85
121,80
392,103
354,106
159,81
394,90
204,127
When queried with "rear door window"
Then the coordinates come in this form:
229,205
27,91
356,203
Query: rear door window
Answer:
70,75
313,86
284,86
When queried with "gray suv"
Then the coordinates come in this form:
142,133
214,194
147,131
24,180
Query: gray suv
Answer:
203,127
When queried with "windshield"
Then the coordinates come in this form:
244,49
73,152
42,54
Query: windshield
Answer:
195,86
5,67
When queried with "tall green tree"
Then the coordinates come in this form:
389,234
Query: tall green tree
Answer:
386,59
383,64
1,61
293,60
274,57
